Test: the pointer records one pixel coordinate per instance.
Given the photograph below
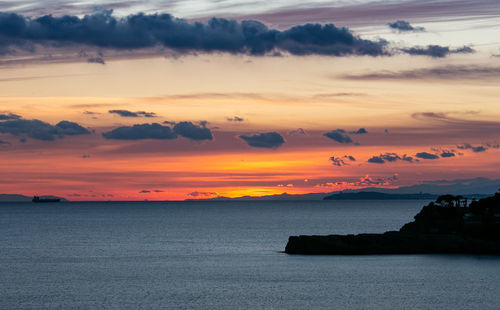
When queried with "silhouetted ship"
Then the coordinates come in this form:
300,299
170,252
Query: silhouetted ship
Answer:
38,199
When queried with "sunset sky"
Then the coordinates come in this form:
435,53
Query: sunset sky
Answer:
101,102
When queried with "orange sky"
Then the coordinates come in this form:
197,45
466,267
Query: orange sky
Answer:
405,106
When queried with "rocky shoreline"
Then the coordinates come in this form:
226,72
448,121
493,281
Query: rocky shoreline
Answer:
448,226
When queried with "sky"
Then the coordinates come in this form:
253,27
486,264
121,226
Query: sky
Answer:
172,100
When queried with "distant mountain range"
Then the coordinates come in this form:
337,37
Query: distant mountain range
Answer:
471,188
377,196
22,198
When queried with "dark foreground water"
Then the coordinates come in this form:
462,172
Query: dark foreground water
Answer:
223,255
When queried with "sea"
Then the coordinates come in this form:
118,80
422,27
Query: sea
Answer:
223,255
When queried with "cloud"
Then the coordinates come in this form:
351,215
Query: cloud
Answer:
436,51
192,131
96,60
235,119
425,155
389,157
362,182
67,128
339,135
203,194
264,140
39,130
147,191
445,154
360,131
126,113
452,72
339,161
298,131
475,149
141,131
445,119
404,26
9,116
141,30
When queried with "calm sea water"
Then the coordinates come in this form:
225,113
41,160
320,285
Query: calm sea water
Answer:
223,255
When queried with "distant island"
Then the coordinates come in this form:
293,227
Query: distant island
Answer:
448,225
23,198
378,196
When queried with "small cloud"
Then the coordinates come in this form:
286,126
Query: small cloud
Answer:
339,135
475,149
360,131
141,131
96,60
425,155
85,156
235,119
192,131
298,131
389,157
203,194
446,154
9,116
336,161
340,161
404,26
349,157
147,191
264,140
126,113
436,51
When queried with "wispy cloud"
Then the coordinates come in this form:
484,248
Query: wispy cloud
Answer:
126,113
455,72
404,26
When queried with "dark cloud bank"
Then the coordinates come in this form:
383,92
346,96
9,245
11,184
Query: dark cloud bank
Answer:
250,37
157,131
216,35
